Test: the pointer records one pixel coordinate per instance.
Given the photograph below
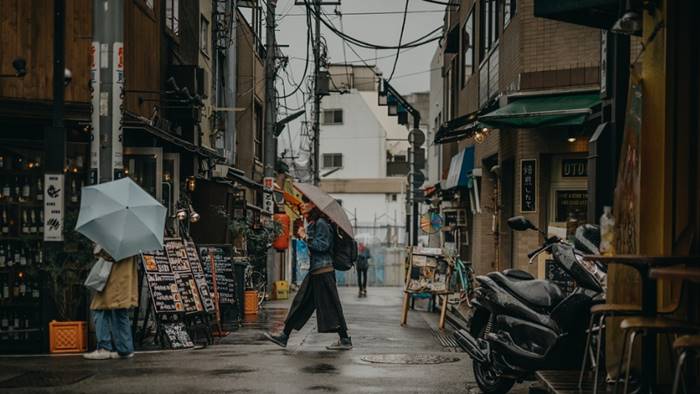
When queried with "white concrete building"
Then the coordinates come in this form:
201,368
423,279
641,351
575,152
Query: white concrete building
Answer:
363,153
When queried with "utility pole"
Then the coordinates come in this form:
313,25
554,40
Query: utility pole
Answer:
270,99
317,94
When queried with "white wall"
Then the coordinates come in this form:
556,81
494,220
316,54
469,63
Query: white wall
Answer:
363,208
436,89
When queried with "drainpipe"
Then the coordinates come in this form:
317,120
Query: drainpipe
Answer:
230,86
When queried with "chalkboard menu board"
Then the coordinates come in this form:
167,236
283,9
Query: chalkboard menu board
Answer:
175,281
224,271
528,185
177,335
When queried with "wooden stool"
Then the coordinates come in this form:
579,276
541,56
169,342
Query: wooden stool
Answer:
633,326
684,345
602,312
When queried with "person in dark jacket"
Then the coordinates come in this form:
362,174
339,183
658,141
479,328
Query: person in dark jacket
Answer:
361,266
318,291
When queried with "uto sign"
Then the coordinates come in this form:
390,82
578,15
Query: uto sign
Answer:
53,207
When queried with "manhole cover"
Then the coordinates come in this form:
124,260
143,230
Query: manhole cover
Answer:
410,359
44,379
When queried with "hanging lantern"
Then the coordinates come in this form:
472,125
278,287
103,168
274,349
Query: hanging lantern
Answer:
281,243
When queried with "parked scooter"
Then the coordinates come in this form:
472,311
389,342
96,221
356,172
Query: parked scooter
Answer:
521,324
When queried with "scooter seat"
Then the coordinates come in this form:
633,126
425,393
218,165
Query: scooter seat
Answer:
537,292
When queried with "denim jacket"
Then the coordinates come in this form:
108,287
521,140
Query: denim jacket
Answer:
320,242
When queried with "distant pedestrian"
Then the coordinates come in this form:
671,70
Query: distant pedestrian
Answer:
318,291
363,256
110,310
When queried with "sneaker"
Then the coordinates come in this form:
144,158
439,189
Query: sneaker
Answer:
341,344
116,355
99,354
279,340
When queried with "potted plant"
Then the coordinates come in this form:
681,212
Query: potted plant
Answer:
67,265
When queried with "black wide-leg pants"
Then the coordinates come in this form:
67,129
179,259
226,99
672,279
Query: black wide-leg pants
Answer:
317,293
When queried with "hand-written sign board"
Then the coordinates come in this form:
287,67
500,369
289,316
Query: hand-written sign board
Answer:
224,271
199,276
173,282
177,335
528,185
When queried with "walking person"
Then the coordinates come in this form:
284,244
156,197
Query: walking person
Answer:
318,291
361,266
110,310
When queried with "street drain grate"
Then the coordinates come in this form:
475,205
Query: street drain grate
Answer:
409,359
44,379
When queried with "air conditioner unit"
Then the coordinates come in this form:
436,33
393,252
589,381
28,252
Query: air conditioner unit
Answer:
220,171
457,216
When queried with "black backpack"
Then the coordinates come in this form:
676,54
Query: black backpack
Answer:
344,250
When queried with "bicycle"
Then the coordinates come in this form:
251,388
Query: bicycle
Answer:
255,280
462,279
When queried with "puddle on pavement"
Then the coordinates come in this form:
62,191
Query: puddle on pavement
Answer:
45,379
330,389
320,369
231,371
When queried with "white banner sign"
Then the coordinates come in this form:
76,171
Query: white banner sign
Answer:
54,190
268,198
95,101
117,87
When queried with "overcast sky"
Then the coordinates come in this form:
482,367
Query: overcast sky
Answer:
412,70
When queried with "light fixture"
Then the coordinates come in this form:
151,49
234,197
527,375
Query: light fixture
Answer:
194,216
181,214
191,184
479,137
630,23
571,136
571,139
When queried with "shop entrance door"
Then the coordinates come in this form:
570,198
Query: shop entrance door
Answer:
145,167
568,191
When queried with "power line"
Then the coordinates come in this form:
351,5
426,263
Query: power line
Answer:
417,72
384,12
398,51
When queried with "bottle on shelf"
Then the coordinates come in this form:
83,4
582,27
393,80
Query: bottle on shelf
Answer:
36,292
4,222
26,189
16,256
41,221
10,257
21,285
23,256
39,254
15,326
3,259
6,190
15,288
5,325
16,189
73,191
25,222
39,189
33,222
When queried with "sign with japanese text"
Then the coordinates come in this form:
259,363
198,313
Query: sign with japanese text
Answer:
53,207
528,185
117,90
95,116
268,198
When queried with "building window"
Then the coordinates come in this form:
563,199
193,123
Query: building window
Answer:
204,35
391,197
509,7
488,27
468,48
332,160
172,16
332,116
258,113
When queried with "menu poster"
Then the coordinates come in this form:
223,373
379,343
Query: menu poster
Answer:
164,293
177,335
224,271
156,261
177,254
199,277
187,288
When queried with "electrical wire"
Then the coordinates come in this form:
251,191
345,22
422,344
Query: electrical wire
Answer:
306,65
398,51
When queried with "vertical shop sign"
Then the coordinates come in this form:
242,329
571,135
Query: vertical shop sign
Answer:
528,185
95,115
268,198
53,207
117,100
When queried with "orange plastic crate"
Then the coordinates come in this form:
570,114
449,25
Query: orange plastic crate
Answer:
67,337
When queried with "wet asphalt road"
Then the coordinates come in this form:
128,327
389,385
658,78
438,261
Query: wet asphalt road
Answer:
245,362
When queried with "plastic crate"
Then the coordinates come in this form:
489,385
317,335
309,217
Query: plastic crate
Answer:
280,290
67,337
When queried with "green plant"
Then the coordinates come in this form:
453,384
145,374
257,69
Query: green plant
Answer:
257,239
67,265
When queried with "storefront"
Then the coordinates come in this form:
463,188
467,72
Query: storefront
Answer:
28,298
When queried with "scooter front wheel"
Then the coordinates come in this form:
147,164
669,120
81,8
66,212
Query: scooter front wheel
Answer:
489,380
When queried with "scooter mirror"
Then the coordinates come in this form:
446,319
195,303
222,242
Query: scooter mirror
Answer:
519,223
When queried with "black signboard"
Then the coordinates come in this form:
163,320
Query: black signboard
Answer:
557,275
199,277
177,335
224,271
164,293
574,168
571,201
528,185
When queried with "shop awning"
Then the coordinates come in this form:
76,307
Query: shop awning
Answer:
460,169
457,129
600,14
543,111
